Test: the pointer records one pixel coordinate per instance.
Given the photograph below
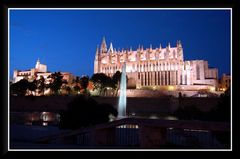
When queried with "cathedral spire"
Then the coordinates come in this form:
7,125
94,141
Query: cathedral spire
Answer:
150,47
179,44
97,50
103,48
139,47
110,48
160,46
169,46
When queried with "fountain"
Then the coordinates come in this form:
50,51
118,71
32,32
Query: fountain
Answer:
122,97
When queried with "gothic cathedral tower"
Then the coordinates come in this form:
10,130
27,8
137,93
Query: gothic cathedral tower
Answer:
97,61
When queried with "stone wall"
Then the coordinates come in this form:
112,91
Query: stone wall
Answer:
135,105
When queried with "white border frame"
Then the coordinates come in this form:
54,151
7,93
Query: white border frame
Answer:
9,9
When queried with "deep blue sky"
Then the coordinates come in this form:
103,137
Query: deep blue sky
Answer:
67,40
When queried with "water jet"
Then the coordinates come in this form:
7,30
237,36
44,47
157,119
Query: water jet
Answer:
122,97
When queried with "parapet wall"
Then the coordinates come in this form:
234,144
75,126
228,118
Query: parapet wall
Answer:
160,93
142,105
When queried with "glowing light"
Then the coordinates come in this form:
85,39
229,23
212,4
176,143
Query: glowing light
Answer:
44,123
212,88
153,117
170,118
171,88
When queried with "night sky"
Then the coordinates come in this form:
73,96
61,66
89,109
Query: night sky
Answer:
66,40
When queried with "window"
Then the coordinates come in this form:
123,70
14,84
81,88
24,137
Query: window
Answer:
155,78
198,72
180,79
186,79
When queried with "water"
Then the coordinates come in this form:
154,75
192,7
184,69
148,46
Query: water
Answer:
122,98
35,118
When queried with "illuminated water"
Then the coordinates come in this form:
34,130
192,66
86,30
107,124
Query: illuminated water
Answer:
122,97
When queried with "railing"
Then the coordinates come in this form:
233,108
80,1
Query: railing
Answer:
146,133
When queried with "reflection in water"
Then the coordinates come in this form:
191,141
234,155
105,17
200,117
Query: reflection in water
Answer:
35,118
51,118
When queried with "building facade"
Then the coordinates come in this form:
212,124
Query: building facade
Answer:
224,82
37,72
156,68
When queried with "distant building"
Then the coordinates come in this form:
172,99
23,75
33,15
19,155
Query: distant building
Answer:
156,68
224,82
35,73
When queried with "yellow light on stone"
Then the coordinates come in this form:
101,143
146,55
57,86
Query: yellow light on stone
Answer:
170,88
212,88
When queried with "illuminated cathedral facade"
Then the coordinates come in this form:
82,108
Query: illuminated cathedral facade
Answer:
156,68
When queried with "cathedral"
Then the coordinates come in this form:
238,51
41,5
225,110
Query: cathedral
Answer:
156,68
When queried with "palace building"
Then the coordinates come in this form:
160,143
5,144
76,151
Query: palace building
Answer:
37,72
156,68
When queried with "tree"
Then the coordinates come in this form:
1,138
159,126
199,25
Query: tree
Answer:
56,83
84,111
101,81
20,87
116,78
68,89
84,82
76,88
77,80
32,86
41,85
